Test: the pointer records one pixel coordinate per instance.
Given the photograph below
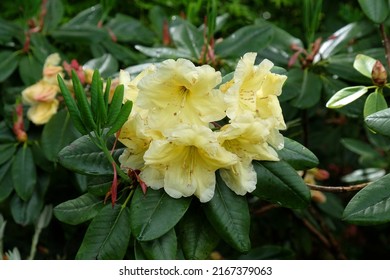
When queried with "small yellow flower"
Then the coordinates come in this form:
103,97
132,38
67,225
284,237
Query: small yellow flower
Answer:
179,92
184,163
42,112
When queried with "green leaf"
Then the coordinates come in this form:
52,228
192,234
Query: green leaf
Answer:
268,252
9,30
107,65
121,118
310,91
30,69
370,205
6,152
228,213
196,236
6,134
99,185
154,214
79,210
8,63
83,103
89,17
6,184
26,212
346,96
72,107
364,64
128,29
57,134
84,157
164,53
251,38
24,174
380,122
375,102
279,183
107,236
186,36
377,11
53,16
359,147
162,248
298,156
81,34
124,54
116,104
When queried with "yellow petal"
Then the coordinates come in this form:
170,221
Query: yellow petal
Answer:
41,113
240,178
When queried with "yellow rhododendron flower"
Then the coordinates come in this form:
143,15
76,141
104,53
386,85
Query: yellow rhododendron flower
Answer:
179,92
186,162
247,138
51,68
42,112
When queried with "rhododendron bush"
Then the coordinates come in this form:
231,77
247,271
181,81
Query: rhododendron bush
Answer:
194,138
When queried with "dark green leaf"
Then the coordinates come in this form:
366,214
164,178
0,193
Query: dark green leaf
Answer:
380,122
24,174
157,16
333,205
377,11
57,134
9,30
124,54
30,69
251,38
371,204
121,118
79,210
80,34
84,157
128,29
375,102
295,154
268,252
154,214
186,36
278,182
107,236
228,213
8,63
90,16
26,212
6,134
310,91
197,237
164,53
162,248
359,147
99,185
6,184
116,104
53,16
107,65
6,152
94,93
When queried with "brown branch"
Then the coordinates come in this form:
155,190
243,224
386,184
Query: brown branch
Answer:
316,232
386,43
337,189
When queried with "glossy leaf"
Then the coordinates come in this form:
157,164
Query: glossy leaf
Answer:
53,16
99,185
251,38
79,210
196,235
121,118
57,134
81,34
30,69
6,184
380,122
107,236
24,174
164,53
126,55
346,96
6,152
155,213
279,183
228,213
268,252
84,157
377,11
107,65
26,212
115,105
162,248
359,147
298,156
375,102
310,91
370,205
8,63
90,16
364,64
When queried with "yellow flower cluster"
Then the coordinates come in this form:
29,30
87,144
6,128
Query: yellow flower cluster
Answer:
172,135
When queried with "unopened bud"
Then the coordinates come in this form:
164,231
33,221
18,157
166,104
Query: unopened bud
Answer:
379,74
18,125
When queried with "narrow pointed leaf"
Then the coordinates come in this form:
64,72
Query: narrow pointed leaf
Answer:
24,174
278,182
107,236
346,96
229,215
121,118
196,235
94,93
364,64
162,248
155,213
79,210
377,11
380,122
370,205
115,106
84,157
298,156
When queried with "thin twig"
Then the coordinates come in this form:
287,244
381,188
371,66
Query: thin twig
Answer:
386,43
318,234
265,209
337,189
